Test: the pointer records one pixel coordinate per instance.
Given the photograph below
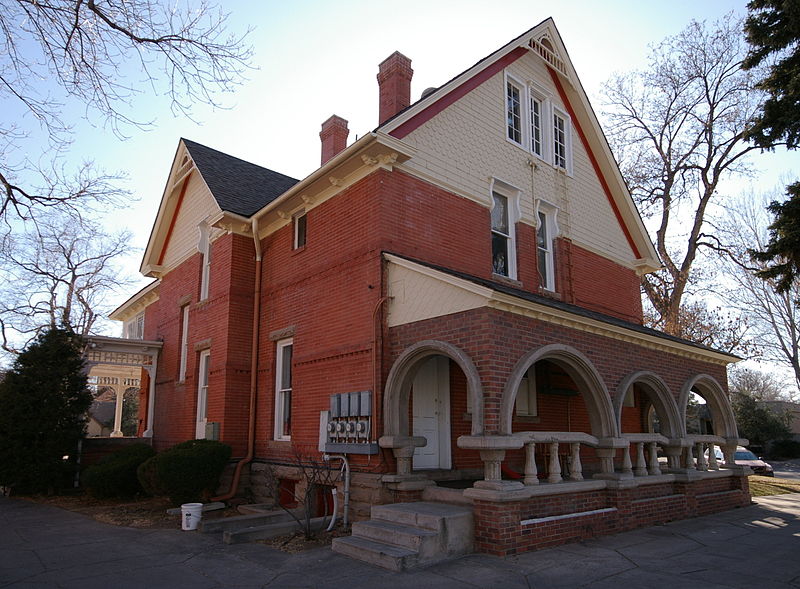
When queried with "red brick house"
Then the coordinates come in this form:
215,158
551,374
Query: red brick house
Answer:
453,297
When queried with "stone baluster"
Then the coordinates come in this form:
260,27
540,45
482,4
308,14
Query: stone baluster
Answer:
403,456
689,458
575,467
606,456
554,475
627,466
641,465
701,457
492,459
729,453
654,468
712,458
531,474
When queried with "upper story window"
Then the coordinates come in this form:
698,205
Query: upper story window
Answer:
528,127
536,125
300,226
501,236
514,111
545,232
205,260
283,389
134,328
561,141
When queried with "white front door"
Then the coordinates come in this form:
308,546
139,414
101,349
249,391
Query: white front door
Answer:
431,414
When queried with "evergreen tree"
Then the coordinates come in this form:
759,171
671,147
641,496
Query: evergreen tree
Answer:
757,423
43,403
773,32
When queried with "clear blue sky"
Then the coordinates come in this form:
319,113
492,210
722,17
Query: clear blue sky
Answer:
315,58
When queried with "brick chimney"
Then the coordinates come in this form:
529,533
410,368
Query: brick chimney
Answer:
334,137
394,82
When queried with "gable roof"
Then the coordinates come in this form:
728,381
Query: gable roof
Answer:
238,186
575,101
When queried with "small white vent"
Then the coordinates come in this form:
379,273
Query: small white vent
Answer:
551,58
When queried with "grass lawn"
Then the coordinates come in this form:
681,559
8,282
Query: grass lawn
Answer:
760,486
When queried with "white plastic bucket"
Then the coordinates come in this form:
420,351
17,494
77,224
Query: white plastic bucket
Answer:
191,514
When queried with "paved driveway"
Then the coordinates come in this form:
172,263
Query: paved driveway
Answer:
753,547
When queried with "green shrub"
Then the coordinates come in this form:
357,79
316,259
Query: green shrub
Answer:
186,472
115,475
785,449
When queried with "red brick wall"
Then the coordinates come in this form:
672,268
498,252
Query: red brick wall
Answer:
499,529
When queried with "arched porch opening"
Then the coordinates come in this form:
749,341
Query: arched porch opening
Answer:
644,404
433,393
706,409
566,390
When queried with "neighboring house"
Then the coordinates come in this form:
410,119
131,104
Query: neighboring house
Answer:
453,296
101,419
792,410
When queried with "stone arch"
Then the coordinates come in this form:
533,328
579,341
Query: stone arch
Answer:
662,400
398,385
718,403
581,370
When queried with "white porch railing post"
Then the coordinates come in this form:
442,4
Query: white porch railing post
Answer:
641,465
531,474
575,467
554,474
655,468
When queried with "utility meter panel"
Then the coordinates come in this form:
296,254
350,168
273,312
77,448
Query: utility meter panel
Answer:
350,424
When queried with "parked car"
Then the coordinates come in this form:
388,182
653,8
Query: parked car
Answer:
745,457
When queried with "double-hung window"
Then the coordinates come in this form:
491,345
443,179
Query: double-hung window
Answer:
184,343
283,390
526,394
544,247
561,151
536,124
205,260
514,111
203,372
300,221
536,109
502,243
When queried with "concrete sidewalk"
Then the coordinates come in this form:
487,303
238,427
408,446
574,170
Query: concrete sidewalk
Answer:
758,546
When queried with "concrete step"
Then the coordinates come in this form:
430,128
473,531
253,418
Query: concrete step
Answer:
425,542
445,495
239,522
406,535
271,530
387,556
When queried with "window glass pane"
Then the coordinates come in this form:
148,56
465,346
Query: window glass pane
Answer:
536,126
514,122
286,367
300,231
500,213
559,142
286,429
499,254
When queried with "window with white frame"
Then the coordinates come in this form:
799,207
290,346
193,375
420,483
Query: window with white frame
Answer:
514,111
526,395
561,141
300,226
134,328
203,372
527,126
184,343
502,236
283,389
536,108
544,248
205,254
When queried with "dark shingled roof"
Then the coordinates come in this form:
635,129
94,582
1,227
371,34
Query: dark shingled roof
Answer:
556,304
238,186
